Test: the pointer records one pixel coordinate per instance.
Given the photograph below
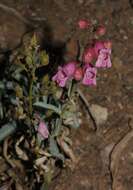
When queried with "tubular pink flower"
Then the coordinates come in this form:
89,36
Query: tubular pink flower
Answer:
89,75
43,130
69,68
60,77
104,60
89,55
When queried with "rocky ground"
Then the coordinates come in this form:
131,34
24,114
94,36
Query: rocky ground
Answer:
105,157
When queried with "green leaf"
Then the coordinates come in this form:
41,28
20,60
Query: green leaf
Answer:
48,106
7,130
58,126
45,186
1,111
71,119
2,86
76,123
44,58
67,114
34,42
54,150
29,60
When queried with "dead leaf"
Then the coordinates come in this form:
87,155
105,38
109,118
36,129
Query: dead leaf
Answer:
66,148
21,154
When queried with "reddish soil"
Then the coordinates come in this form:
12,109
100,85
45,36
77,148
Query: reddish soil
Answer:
95,151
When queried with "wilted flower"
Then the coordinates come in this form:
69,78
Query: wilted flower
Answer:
83,24
89,55
78,75
89,75
101,30
43,130
60,77
104,58
69,68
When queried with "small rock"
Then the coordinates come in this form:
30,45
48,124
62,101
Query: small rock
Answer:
125,37
99,113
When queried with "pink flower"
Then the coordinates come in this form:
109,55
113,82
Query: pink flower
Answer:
64,73
89,75
83,24
101,30
98,46
89,55
69,68
60,77
104,58
43,130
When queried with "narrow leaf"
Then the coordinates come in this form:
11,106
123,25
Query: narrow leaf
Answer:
48,106
54,150
7,130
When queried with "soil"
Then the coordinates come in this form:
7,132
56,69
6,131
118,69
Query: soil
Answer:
104,156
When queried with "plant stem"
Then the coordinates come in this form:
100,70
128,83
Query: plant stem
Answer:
30,96
70,88
85,101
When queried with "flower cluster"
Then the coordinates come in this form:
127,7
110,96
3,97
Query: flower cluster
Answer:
96,55
85,70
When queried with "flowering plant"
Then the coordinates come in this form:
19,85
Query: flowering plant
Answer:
44,109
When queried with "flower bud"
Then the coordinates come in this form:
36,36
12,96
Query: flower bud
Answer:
83,24
88,55
78,75
101,30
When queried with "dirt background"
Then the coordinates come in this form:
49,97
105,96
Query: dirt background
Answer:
105,156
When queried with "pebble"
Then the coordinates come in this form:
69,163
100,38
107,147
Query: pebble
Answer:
99,113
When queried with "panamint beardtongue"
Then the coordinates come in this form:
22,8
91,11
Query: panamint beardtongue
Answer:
103,59
69,68
89,75
64,73
60,77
